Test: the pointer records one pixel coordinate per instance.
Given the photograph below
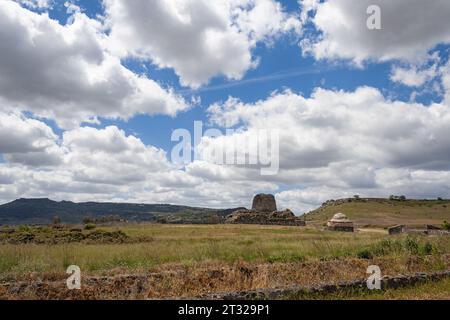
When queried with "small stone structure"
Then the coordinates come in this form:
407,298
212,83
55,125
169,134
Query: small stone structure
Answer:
264,212
340,222
430,230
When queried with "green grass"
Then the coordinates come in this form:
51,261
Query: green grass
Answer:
188,245
433,290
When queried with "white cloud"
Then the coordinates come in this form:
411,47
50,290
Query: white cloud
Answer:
199,39
333,144
413,77
65,72
36,4
105,165
337,125
417,75
27,141
410,28
337,143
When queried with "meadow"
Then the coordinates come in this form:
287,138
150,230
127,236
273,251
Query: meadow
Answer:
191,260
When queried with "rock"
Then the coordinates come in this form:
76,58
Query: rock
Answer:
282,214
263,215
396,229
431,227
264,203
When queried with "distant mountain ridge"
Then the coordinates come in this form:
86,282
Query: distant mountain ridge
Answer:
42,211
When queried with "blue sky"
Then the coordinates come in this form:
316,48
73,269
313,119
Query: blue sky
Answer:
281,66
113,61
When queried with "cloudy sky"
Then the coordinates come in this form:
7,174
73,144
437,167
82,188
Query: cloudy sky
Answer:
92,90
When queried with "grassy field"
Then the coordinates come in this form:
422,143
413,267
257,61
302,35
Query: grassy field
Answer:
186,260
433,290
385,213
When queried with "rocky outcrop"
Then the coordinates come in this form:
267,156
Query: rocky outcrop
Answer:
263,214
264,203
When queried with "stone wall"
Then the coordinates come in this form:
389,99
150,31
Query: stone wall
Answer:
280,218
387,282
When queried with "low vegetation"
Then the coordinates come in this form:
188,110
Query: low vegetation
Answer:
433,290
188,261
58,234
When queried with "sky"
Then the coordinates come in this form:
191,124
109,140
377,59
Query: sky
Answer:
95,96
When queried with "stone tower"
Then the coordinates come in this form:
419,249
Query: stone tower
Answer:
264,203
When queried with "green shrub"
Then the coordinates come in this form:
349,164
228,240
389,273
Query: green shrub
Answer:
387,246
24,228
446,226
90,226
411,245
285,258
88,220
364,254
427,249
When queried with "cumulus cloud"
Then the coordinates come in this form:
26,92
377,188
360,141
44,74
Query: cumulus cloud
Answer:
417,75
410,28
36,4
333,143
413,77
105,165
65,72
199,39
27,141
348,142
339,125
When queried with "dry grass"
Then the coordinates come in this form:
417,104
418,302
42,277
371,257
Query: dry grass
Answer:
385,213
183,260
432,290
185,245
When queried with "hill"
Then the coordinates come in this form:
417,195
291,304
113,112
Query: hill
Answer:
42,211
384,212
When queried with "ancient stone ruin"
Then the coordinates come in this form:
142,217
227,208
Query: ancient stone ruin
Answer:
430,230
264,212
396,229
264,203
340,222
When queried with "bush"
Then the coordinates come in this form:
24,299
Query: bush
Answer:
90,226
24,228
364,254
412,245
387,246
446,226
88,220
427,249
